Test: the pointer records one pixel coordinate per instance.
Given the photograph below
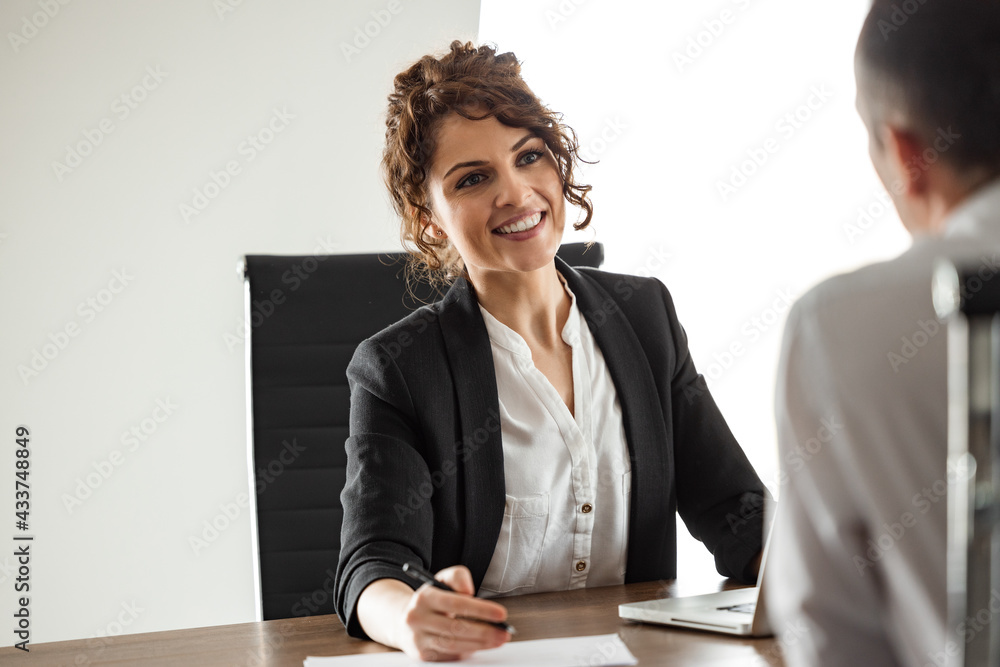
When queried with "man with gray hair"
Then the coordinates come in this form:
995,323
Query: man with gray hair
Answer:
857,564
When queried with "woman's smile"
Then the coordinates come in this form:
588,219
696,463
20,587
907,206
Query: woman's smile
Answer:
524,228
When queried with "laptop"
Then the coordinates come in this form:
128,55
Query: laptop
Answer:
736,612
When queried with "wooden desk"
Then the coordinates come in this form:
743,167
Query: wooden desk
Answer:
286,643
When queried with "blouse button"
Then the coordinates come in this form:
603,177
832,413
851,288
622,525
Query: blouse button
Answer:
587,508
581,565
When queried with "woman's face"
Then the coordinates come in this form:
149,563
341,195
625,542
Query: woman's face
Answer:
486,182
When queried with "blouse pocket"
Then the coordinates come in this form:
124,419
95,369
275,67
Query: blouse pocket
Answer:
518,553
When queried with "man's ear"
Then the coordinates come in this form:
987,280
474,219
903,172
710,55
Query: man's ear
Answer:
905,152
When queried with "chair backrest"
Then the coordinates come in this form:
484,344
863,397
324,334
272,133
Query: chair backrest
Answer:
305,317
972,306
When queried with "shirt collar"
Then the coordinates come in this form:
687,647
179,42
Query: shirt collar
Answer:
571,330
505,337
978,209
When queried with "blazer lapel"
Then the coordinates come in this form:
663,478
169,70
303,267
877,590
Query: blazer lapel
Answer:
480,453
642,414
471,359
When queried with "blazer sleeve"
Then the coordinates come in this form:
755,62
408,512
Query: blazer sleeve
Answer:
719,495
381,531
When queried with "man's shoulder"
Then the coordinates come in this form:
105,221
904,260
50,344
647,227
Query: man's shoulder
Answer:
897,286
866,326
892,285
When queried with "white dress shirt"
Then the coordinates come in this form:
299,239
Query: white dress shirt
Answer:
857,566
568,477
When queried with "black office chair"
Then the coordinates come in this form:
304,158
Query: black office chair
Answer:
971,303
306,315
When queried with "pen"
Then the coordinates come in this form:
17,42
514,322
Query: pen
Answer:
423,575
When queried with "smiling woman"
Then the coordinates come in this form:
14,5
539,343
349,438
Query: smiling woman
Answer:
437,104
555,409
502,211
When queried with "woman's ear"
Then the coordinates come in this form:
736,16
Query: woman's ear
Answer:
430,229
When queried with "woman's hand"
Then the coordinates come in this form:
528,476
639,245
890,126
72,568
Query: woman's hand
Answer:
430,623
440,625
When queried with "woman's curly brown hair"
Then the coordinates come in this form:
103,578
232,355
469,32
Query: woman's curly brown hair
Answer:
465,79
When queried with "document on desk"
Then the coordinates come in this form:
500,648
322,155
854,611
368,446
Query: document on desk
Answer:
606,650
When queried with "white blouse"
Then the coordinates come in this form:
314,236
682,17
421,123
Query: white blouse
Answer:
568,476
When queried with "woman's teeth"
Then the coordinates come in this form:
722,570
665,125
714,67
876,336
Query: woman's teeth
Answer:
522,225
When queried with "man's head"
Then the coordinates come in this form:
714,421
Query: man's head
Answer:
928,74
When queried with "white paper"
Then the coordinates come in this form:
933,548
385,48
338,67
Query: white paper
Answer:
606,650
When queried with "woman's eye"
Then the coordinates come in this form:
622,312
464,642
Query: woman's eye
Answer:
531,157
471,179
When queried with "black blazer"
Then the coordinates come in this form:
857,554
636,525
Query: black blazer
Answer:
425,475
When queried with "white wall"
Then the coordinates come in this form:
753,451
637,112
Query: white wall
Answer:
169,331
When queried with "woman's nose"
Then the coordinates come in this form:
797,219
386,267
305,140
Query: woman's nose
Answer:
513,189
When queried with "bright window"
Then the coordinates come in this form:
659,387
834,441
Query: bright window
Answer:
733,165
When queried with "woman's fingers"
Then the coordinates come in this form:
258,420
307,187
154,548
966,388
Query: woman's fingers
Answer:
459,578
446,626
464,606
433,620
449,646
